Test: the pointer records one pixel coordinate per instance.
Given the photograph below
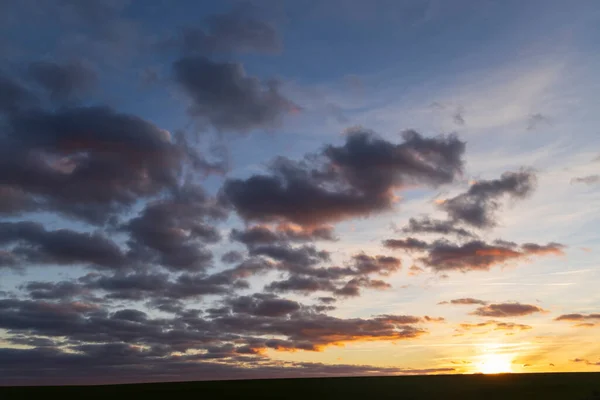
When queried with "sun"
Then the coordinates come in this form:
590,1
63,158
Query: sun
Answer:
495,364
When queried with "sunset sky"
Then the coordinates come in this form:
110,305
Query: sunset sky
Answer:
198,190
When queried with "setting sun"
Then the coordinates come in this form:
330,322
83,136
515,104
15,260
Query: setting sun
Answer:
495,364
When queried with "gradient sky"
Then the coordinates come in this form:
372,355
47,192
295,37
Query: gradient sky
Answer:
202,190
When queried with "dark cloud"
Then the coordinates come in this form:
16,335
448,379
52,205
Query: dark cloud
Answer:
353,180
242,329
301,284
382,265
89,162
311,331
261,235
145,285
53,290
588,180
263,305
8,260
172,231
14,97
464,301
300,256
327,300
353,286
578,317
227,99
14,201
239,30
477,206
32,243
232,257
478,255
95,365
62,81
343,281
428,225
408,244
534,120
507,310
140,286
459,116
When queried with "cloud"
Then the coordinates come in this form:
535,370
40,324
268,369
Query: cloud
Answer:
464,301
245,327
588,180
327,300
53,290
478,255
585,361
477,206
263,305
235,31
227,99
147,285
578,317
262,235
459,116
382,265
507,310
409,244
90,162
305,278
443,255
14,97
536,119
300,257
356,179
496,325
415,270
34,244
173,231
232,257
297,283
428,225
585,325
14,201
62,81
95,365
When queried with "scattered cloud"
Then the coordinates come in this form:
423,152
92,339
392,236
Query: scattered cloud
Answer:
507,310
464,301
578,317
227,99
353,180
443,255
585,361
478,205
535,120
240,30
588,180
496,325
428,225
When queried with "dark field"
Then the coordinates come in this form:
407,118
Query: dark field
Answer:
567,386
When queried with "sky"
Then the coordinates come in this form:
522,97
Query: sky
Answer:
200,190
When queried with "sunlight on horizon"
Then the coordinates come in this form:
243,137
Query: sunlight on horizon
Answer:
495,364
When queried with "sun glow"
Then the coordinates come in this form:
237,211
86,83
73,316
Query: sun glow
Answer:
495,364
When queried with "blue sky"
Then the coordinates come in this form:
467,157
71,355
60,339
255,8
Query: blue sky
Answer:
514,82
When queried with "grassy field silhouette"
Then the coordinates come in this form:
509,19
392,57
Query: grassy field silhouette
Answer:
559,386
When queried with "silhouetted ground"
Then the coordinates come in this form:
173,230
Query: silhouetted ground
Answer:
563,386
